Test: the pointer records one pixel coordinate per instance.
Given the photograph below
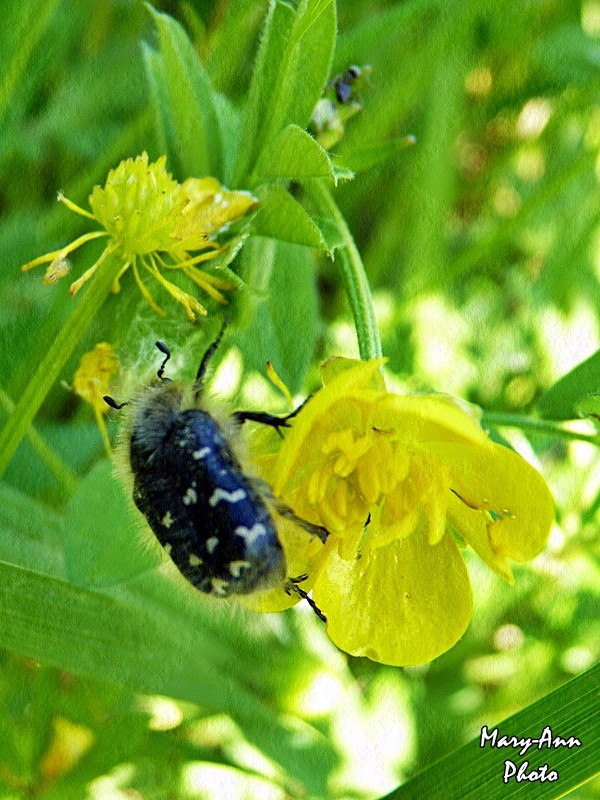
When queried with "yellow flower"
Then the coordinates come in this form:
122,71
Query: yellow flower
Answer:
91,382
146,216
395,479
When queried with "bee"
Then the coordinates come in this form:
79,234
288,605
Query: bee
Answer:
345,85
212,519
341,100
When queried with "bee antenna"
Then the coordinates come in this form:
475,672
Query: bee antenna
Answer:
167,354
207,357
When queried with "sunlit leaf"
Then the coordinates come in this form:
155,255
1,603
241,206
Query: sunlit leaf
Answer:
118,549
359,160
477,770
562,400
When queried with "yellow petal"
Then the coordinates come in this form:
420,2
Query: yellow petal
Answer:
399,517
402,605
211,206
431,480
472,525
426,418
336,365
498,483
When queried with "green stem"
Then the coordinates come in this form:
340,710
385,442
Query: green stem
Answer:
51,365
354,276
500,419
55,464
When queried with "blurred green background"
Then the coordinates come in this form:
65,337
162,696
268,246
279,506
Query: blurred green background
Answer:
482,246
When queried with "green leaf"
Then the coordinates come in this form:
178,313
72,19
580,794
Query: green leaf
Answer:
476,771
313,40
332,233
31,533
561,401
229,125
293,155
589,408
279,312
163,122
160,636
118,549
282,217
360,160
191,120
291,69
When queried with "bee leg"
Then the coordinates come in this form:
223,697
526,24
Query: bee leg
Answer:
269,419
263,488
292,586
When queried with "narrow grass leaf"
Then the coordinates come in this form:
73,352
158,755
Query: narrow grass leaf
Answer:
478,769
156,635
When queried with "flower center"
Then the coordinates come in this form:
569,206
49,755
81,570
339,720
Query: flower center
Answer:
138,205
365,476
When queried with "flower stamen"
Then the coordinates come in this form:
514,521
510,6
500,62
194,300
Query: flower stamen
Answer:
76,285
59,255
145,292
190,303
73,206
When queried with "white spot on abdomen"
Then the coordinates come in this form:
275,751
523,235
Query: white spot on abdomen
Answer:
219,587
229,497
199,454
190,497
251,534
236,567
211,543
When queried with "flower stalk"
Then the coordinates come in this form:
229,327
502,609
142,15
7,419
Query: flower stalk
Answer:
498,419
353,273
50,367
